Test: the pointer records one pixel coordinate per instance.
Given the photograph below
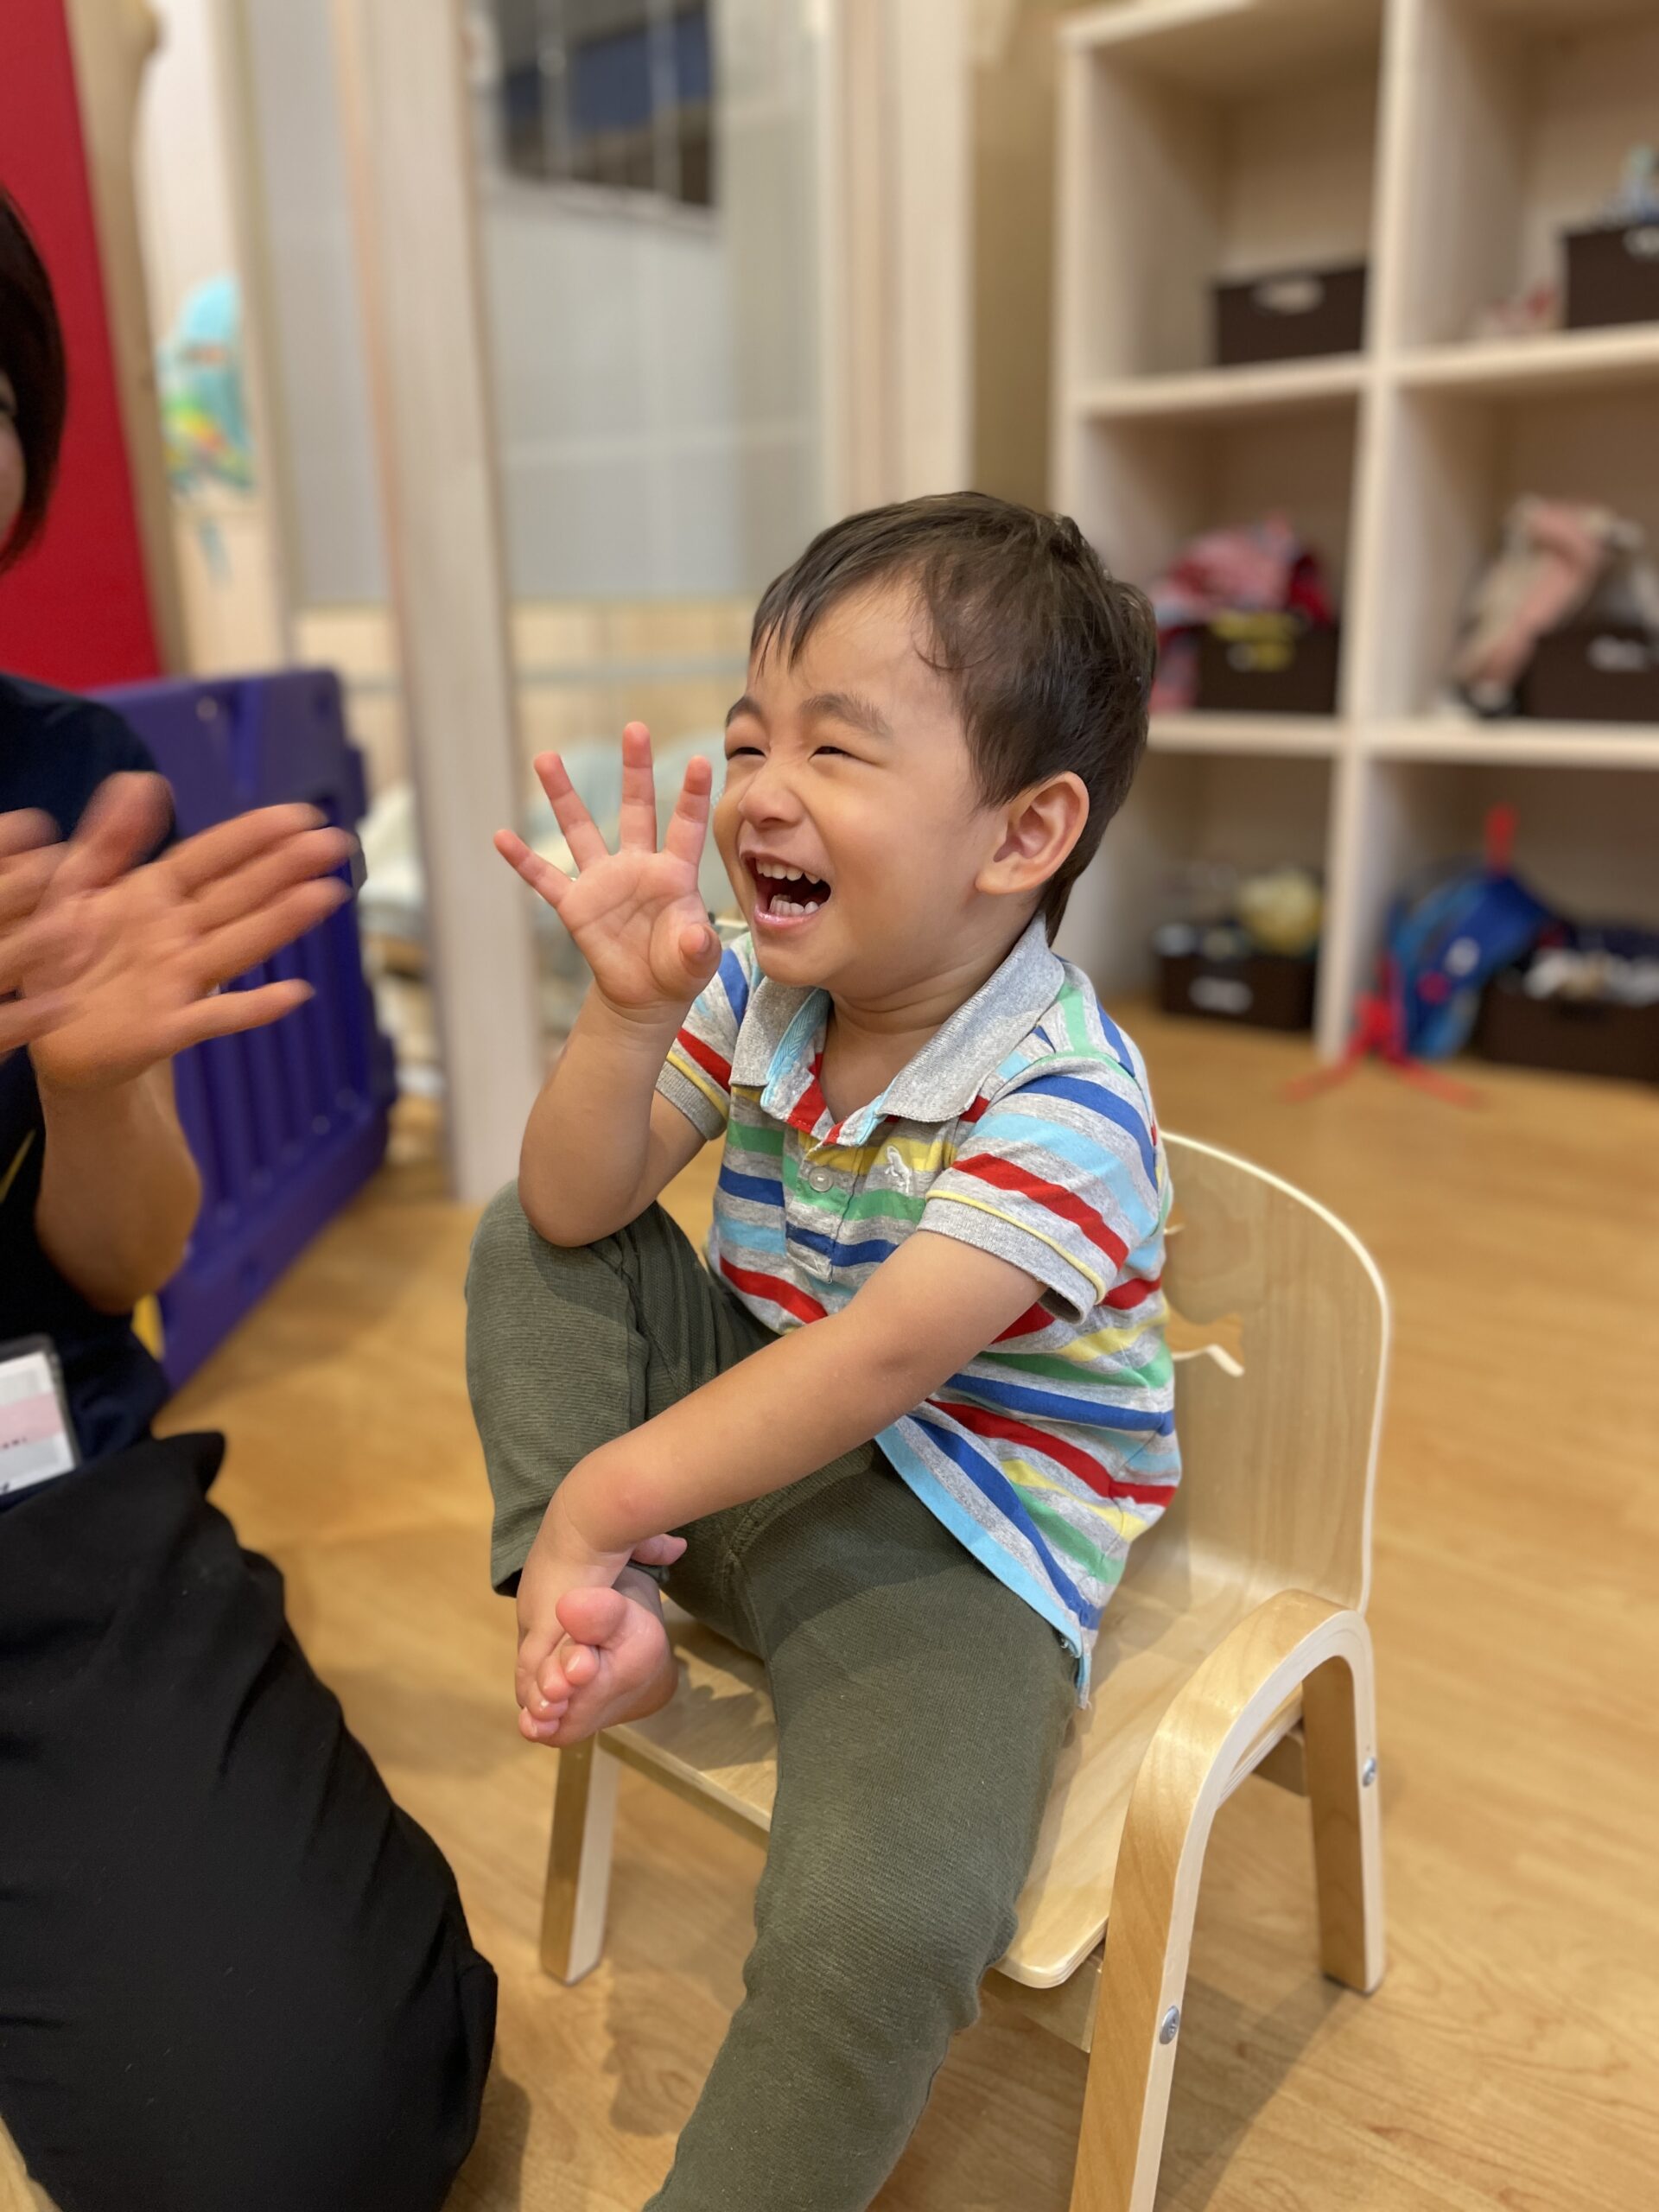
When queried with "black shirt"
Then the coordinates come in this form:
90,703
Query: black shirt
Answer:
55,752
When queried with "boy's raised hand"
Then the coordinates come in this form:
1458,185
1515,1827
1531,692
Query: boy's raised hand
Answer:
636,914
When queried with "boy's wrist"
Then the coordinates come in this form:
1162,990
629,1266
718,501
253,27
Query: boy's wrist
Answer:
650,1029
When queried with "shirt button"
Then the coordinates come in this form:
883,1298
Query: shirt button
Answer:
819,1178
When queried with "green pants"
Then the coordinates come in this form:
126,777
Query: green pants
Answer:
920,1710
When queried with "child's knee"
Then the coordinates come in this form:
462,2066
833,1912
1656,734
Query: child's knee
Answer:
499,1239
868,1944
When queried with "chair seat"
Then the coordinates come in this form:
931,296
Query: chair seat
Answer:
717,1744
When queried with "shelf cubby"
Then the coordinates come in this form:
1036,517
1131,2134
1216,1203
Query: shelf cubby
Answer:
1234,141
1447,143
1187,808
1461,460
1519,116
1145,485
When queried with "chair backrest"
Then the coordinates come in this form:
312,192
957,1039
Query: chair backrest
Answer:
1279,1324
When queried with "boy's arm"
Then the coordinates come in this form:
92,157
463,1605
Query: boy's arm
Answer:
600,1144
793,1406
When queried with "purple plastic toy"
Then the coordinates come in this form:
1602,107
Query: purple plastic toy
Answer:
286,1123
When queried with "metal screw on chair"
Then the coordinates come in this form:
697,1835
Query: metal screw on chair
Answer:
1170,2027
1368,1774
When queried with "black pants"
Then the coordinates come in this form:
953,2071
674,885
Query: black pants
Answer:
234,1977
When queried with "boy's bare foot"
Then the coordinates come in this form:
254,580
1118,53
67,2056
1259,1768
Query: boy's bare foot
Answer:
614,1663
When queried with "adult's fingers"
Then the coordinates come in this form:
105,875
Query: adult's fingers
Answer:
231,845
581,833
248,889
233,1011
124,822
552,883
24,1021
24,876
636,822
225,953
23,828
687,826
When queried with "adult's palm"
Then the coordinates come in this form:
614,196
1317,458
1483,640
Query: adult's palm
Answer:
136,955
636,914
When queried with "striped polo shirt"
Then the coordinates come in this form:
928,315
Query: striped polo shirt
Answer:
1024,1127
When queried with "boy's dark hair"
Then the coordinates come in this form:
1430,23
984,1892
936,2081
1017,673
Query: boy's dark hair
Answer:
31,356
1050,657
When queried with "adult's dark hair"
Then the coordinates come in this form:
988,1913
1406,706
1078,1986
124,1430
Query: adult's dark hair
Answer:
31,355
1051,658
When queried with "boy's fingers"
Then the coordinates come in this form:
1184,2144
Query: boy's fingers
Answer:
659,1551
687,826
547,881
636,822
586,844
700,951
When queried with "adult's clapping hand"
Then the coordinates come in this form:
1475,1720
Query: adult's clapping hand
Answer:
119,960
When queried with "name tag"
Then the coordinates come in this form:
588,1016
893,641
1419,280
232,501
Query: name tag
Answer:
37,1436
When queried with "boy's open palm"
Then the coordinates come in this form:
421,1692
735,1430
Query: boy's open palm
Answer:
636,914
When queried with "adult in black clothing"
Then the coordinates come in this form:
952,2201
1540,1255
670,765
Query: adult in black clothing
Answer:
234,1977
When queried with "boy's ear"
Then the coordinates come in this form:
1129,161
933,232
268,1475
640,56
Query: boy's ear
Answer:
1039,829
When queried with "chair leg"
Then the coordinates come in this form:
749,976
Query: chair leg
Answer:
579,1861
1183,1776
1133,2059
1339,1722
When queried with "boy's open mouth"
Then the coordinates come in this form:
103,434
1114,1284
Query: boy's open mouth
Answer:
787,894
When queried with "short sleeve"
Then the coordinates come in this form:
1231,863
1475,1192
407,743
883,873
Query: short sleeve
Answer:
696,1076
1062,1176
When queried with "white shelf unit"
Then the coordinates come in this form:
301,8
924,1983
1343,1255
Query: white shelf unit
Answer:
1447,143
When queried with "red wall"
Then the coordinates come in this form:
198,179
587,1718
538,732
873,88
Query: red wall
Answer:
75,611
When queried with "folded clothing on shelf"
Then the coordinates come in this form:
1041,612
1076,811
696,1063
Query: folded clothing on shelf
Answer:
1557,561
1260,568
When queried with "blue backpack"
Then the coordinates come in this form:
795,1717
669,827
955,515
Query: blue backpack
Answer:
1449,934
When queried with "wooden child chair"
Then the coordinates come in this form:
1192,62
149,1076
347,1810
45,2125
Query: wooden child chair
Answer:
1235,1644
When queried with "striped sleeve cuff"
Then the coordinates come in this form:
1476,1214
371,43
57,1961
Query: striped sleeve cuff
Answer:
686,1087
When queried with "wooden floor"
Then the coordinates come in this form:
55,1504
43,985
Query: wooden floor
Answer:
1511,2058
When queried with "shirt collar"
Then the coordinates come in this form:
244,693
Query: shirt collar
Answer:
783,1027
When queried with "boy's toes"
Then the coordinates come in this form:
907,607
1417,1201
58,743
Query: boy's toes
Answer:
593,1618
575,1665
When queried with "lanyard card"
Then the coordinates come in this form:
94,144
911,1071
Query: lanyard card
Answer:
37,1435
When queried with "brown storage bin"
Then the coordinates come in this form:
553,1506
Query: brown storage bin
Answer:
1265,990
1580,1036
1267,664
1592,672
1612,276
1291,314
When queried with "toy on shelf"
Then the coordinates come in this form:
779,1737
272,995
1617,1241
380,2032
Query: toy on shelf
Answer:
1250,958
1564,623
1246,623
